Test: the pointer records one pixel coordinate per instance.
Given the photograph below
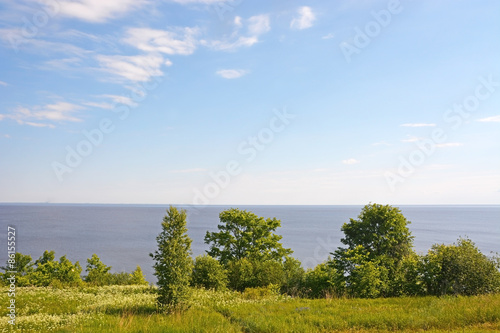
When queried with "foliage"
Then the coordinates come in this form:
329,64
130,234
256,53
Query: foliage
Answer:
243,234
173,263
132,309
318,282
137,277
48,271
376,245
208,273
293,276
23,265
247,273
97,272
460,269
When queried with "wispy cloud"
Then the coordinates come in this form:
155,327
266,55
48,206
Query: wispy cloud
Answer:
97,11
3,83
411,139
44,116
350,161
329,36
418,125
178,41
231,73
493,119
258,25
139,68
304,20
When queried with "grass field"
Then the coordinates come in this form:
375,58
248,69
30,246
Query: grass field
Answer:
132,309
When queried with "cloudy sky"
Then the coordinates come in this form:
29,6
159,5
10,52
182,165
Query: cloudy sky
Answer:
250,102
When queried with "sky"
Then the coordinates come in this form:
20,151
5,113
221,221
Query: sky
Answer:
250,102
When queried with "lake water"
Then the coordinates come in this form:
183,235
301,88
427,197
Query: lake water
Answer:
123,235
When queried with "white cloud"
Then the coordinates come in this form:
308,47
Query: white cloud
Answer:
3,83
237,21
181,41
304,20
350,161
225,45
493,119
134,68
57,112
411,139
231,73
258,25
329,36
449,144
96,10
100,105
121,99
418,125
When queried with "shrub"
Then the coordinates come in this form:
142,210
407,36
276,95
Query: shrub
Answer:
460,269
319,282
209,273
97,272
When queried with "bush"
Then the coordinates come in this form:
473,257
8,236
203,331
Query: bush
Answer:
208,273
97,272
48,271
460,269
319,282
245,273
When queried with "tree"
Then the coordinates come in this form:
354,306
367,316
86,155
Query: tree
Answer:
243,234
51,272
97,272
460,269
173,263
209,273
376,243
137,277
23,265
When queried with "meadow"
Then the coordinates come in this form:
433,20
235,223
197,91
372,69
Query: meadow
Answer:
133,309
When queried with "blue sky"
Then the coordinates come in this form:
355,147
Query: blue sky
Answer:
239,102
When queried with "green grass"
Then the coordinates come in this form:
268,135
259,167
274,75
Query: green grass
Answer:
133,309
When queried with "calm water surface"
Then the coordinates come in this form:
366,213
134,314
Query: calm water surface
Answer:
124,235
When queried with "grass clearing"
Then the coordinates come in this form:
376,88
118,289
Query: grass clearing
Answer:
133,309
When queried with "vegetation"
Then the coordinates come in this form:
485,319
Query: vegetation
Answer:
133,309
173,263
248,282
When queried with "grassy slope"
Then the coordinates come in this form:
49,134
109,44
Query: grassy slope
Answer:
132,309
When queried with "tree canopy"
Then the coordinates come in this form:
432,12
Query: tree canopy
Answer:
243,234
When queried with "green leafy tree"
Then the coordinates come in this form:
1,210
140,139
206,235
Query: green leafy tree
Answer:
243,234
97,272
460,269
173,263
376,243
293,276
250,273
137,277
209,273
48,271
23,265
318,282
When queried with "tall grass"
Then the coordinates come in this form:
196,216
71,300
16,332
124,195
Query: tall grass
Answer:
133,309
